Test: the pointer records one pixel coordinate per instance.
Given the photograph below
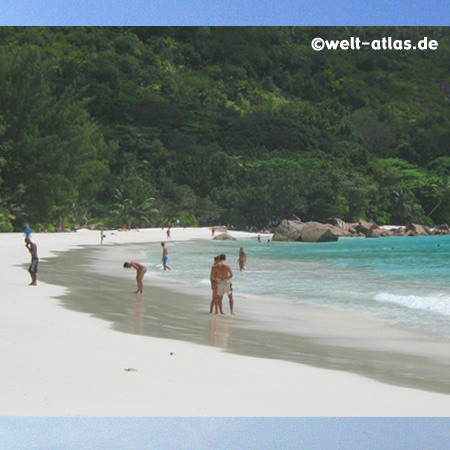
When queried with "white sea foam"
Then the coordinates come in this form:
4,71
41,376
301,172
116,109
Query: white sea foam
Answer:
151,273
409,275
436,303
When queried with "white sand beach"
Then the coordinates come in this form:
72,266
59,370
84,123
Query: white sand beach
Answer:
59,362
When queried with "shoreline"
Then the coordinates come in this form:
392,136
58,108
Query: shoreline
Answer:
327,338
65,363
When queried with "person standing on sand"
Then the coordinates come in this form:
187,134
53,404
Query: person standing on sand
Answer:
222,273
242,259
140,272
165,256
168,233
230,300
33,269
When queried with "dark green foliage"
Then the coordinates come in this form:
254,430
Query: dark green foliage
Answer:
50,145
234,125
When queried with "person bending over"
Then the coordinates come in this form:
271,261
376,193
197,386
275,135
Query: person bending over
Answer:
140,272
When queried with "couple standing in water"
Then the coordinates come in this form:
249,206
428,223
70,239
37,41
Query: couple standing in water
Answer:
220,279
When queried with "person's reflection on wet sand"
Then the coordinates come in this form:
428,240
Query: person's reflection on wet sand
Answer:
219,333
135,315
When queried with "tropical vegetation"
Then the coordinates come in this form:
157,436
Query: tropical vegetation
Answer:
232,125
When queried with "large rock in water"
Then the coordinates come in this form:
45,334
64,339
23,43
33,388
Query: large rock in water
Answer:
294,230
441,229
341,228
288,230
366,228
378,232
224,237
339,223
317,232
415,229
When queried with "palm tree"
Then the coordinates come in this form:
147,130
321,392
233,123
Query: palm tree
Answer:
405,207
443,188
402,206
132,200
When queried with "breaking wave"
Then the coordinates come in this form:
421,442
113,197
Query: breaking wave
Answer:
436,303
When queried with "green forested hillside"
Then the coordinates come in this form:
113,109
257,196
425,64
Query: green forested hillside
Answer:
238,125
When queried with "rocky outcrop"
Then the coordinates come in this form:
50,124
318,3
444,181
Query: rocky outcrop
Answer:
378,232
294,230
317,232
441,229
224,237
288,230
400,231
341,232
413,229
338,223
366,228
341,228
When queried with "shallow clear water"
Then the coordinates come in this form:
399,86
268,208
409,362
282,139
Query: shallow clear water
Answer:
405,280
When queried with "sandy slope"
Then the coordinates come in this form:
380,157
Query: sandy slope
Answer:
57,362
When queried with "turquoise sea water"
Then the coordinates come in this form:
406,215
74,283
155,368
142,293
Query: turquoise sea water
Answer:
403,280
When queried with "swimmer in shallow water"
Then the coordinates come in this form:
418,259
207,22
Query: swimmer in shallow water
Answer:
165,256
